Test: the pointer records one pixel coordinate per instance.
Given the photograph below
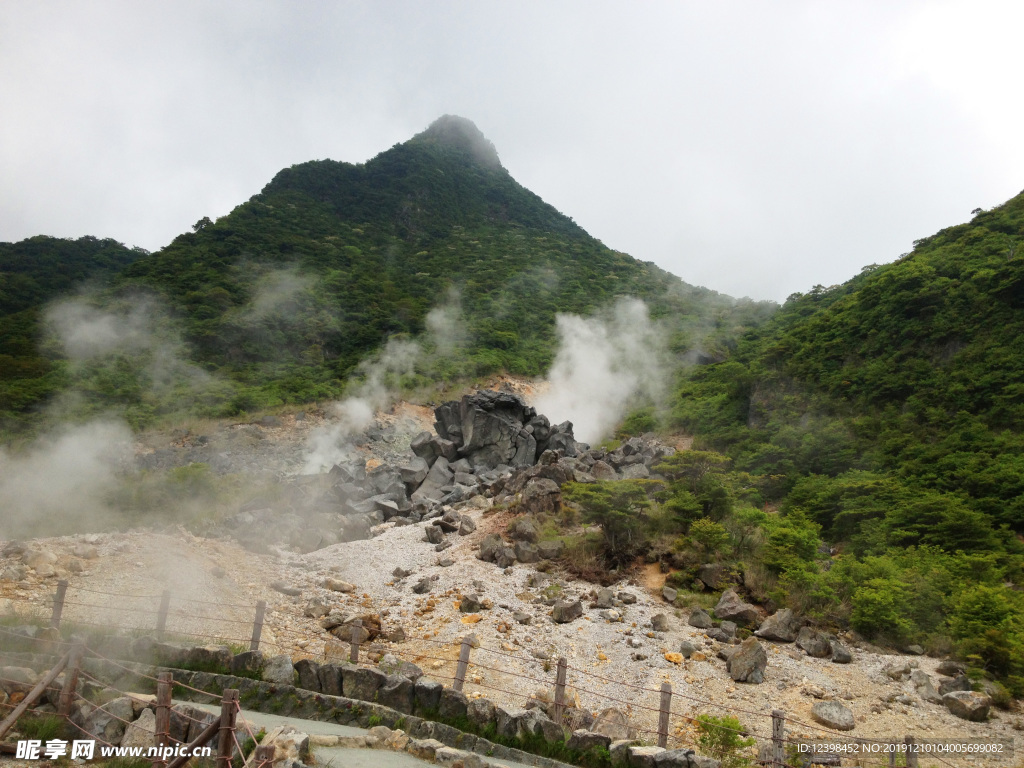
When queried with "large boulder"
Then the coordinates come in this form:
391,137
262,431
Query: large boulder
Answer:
524,529
814,643
539,496
489,428
362,683
613,723
731,607
923,685
748,662
968,705
700,619
840,653
490,546
715,575
564,611
480,712
550,550
397,692
414,472
109,723
833,715
427,695
526,552
583,740
309,674
782,626
141,732
279,670
437,478
953,684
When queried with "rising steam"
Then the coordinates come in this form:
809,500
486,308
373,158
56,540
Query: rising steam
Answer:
381,377
333,443
603,366
62,480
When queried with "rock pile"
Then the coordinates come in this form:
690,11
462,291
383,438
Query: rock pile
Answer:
488,444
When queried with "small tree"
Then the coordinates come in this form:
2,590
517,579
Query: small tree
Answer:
618,507
710,537
723,739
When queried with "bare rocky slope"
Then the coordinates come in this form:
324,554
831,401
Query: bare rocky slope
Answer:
429,587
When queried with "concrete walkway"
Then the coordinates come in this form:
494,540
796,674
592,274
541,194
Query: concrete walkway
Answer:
336,757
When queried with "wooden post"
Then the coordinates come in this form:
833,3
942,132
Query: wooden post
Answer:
161,617
162,730
666,706
892,755
58,603
264,756
911,751
33,695
208,733
560,690
357,638
226,738
778,738
67,692
460,670
257,625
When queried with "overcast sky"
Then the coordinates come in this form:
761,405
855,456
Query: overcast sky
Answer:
757,148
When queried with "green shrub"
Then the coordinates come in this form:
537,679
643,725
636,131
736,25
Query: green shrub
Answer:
723,738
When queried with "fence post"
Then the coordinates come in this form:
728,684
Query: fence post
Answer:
58,603
911,751
560,690
460,670
356,639
257,625
161,617
892,755
666,706
162,729
67,692
33,695
226,737
264,756
778,738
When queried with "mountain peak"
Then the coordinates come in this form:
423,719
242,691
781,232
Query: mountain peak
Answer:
461,133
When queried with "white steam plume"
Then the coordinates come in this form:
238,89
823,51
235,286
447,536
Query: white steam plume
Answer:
445,335
333,442
137,326
280,293
60,482
602,366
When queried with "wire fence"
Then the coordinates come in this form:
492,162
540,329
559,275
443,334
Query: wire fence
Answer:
767,729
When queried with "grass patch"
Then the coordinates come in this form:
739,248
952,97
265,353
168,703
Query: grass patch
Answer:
41,727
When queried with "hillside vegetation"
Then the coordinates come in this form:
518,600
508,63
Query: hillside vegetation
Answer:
883,418
32,273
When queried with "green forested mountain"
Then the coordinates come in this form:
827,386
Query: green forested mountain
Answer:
286,295
33,272
885,415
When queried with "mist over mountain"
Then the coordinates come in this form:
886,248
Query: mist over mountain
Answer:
282,300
